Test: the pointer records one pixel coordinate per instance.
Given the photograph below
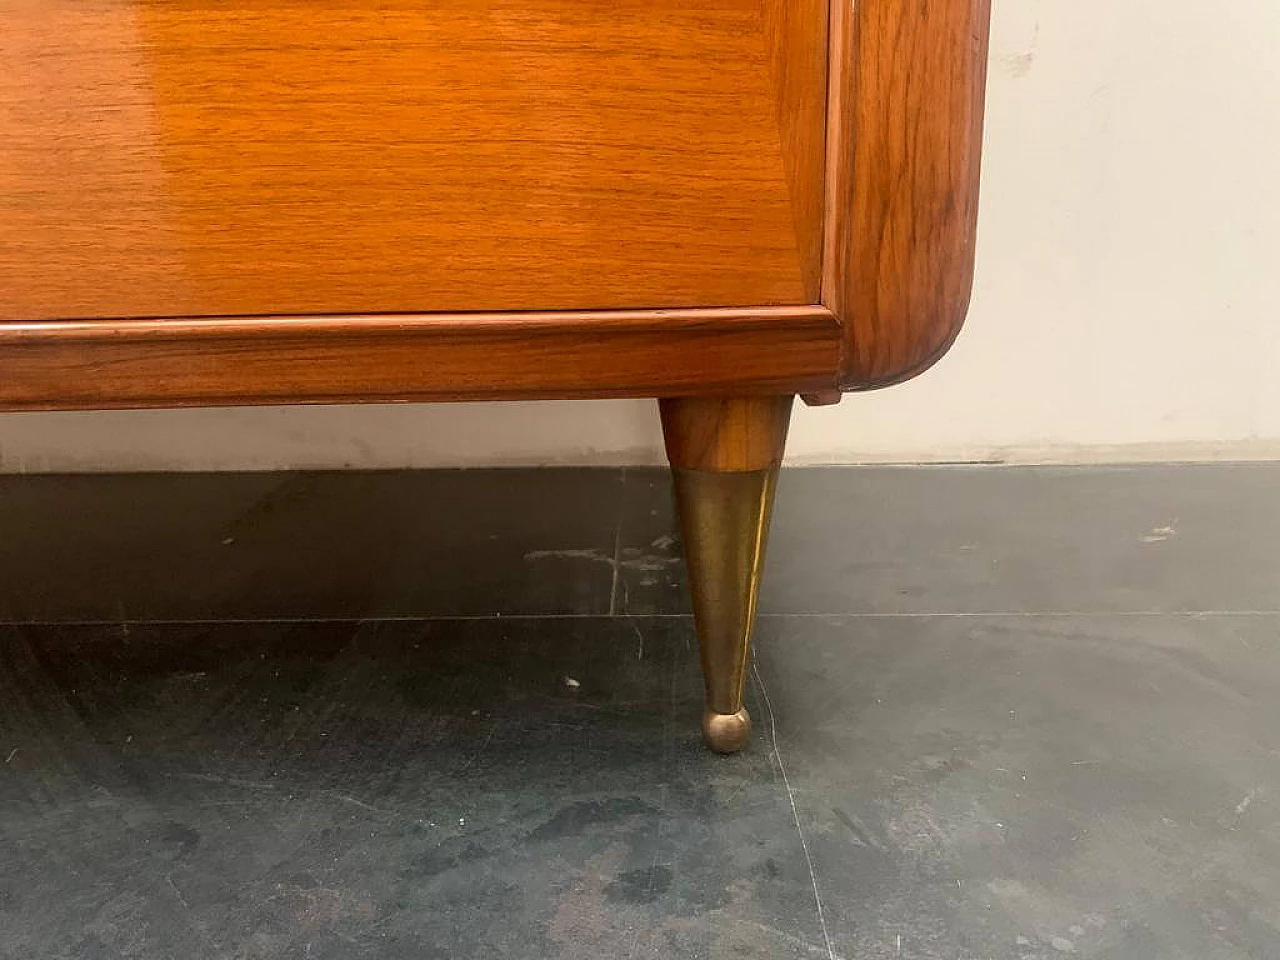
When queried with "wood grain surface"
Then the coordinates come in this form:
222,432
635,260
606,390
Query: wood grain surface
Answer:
796,31
181,158
297,202
902,188
725,434
95,364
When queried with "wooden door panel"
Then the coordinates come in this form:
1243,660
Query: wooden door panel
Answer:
168,158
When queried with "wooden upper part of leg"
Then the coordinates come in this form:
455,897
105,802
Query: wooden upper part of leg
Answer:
721,434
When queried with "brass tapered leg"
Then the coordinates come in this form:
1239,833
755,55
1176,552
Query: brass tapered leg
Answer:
725,456
725,520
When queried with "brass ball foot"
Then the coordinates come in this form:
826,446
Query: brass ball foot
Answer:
726,732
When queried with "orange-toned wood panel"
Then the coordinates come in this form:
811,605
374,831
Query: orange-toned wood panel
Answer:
98,364
904,153
185,158
796,31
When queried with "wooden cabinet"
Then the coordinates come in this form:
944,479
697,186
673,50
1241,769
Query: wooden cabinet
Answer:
291,201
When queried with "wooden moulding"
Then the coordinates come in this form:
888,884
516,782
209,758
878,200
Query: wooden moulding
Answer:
102,364
903,157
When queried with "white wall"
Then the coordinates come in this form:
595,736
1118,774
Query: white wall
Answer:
1127,303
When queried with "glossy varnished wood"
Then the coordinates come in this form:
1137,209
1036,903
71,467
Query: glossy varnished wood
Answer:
204,362
353,175
719,433
904,144
181,158
796,32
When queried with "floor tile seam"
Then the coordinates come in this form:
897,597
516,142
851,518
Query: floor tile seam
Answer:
786,615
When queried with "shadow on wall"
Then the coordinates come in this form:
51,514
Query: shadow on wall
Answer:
382,436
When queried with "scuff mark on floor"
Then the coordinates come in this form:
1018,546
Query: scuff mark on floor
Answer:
629,558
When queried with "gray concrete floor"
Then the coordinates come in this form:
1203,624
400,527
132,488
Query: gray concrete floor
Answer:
1000,713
